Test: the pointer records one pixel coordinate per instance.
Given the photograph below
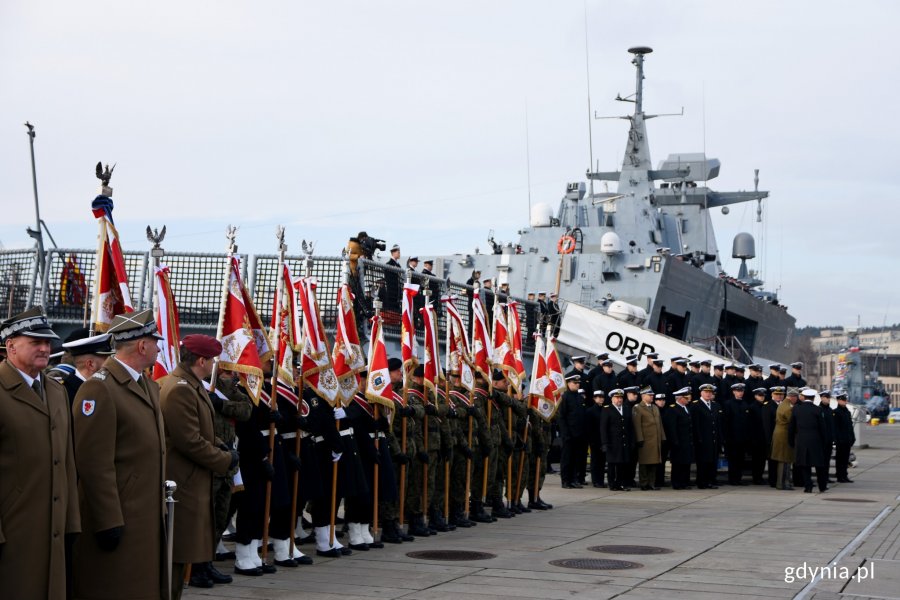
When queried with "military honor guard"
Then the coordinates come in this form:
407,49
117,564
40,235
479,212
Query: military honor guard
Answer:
39,511
120,453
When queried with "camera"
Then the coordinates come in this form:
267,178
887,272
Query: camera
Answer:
369,244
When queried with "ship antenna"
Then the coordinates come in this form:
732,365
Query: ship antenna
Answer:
587,67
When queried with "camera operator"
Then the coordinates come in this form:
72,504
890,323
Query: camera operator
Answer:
361,246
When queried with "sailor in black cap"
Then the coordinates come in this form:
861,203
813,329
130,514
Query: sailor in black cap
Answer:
617,435
754,379
795,379
394,260
571,419
629,376
656,379
648,368
707,424
773,379
88,353
757,436
737,433
677,377
37,468
603,377
680,438
844,438
598,456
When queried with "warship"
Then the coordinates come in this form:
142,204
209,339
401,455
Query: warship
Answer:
639,269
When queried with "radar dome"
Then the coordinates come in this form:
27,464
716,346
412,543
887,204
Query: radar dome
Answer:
744,246
541,215
610,243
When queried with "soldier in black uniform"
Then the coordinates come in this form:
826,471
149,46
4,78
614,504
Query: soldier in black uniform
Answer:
677,377
828,441
707,424
571,419
806,434
617,436
737,433
656,379
394,260
88,354
393,282
629,376
578,363
553,313
723,391
693,376
773,379
631,400
662,405
648,368
598,456
757,438
718,375
770,407
795,379
754,380
844,438
603,378
679,428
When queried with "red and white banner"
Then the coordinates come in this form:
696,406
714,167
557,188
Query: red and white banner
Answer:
458,359
111,294
502,355
481,341
245,347
541,396
347,353
515,342
557,380
316,367
378,380
432,360
409,347
288,341
166,314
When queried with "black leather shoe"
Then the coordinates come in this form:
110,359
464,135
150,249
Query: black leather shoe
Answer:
309,539
254,572
216,575
406,537
807,490
522,508
535,506
220,556
332,553
303,560
499,511
201,580
646,488
845,481
361,547
346,551
290,563
376,545
268,569
547,505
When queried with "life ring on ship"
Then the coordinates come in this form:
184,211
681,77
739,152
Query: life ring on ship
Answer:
566,245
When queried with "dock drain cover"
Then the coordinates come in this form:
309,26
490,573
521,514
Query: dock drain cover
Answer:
450,555
630,549
848,500
598,564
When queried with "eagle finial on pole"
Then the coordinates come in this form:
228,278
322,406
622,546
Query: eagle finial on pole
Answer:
104,175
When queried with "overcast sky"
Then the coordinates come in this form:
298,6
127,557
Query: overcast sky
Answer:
408,119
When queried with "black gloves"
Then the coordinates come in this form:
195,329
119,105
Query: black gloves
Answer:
293,461
275,417
640,444
235,457
472,410
467,452
407,411
422,457
430,409
109,539
381,424
217,402
401,459
268,470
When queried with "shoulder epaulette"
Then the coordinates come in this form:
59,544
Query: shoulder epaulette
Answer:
181,382
101,375
672,405
694,401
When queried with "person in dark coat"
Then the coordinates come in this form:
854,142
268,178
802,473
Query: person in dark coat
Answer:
708,440
806,434
754,380
645,372
828,441
660,401
571,419
88,355
795,379
679,428
757,436
629,376
769,409
844,438
598,456
617,436
737,433
656,379
677,377
602,377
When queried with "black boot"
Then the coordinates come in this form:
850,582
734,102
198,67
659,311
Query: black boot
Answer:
390,534
418,528
458,518
478,513
498,510
199,577
216,575
436,521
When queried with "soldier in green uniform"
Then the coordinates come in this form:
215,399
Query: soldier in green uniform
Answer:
415,511
503,444
444,442
522,454
485,449
389,511
460,411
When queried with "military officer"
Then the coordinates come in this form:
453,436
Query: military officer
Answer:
629,376
769,411
462,410
486,449
415,400
844,438
648,436
828,440
120,453
660,401
570,414
757,435
707,424
39,508
617,435
782,450
504,444
680,436
88,354
389,511
737,433
795,379
806,434
598,457
193,455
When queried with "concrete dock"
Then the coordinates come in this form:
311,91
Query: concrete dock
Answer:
734,542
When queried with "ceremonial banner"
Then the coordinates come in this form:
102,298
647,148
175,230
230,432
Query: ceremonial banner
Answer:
541,397
316,367
458,359
481,341
72,287
408,345
111,294
166,314
245,346
288,341
557,381
502,355
515,341
378,380
432,360
347,353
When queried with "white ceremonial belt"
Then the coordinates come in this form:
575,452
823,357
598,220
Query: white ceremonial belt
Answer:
319,438
379,435
289,436
348,431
